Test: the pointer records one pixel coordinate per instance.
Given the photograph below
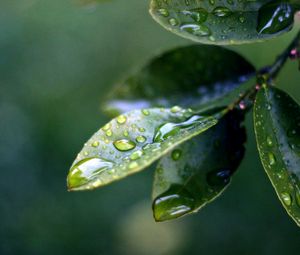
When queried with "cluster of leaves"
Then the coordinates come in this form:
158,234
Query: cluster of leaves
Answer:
185,109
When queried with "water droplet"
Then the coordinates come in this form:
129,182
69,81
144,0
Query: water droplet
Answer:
269,141
108,132
219,177
199,15
106,127
85,153
95,144
199,30
242,19
125,133
133,165
142,129
124,145
212,38
173,203
121,119
145,112
140,139
221,11
86,170
176,154
173,22
275,17
286,198
163,12
176,109
136,155
272,159
171,129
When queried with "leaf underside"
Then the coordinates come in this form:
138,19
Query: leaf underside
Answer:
131,142
277,128
190,76
197,172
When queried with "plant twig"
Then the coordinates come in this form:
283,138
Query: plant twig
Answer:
266,75
281,59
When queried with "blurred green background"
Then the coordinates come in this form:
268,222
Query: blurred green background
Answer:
58,59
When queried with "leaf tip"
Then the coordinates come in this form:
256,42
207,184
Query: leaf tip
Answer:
172,204
75,180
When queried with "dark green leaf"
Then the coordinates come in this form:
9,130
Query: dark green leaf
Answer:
277,128
275,17
189,76
217,22
196,172
131,142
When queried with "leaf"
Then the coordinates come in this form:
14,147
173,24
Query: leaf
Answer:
277,128
188,76
218,22
131,142
198,171
275,16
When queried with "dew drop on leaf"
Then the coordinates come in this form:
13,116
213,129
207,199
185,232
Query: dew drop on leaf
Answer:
133,165
163,12
275,17
176,201
95,144
272,159
219,177
286,198
124,145
176,154
173,22
199,15
221,11
200,30
106,127
145,112
269,141
175,109
171,129
121,119
108,132
86,169
136,155
140,139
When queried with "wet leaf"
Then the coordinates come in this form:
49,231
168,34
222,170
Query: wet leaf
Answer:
131,142
223,21
196,172
277,128
275,16
188,76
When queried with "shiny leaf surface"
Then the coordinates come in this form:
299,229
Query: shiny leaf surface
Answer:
196,172
277,128
131,142
188,76
224,21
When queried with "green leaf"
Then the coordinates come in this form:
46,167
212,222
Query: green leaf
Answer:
275,16
222,21
188,76
277,128
131,142
198,171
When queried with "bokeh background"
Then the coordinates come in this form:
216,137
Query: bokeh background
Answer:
58,59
